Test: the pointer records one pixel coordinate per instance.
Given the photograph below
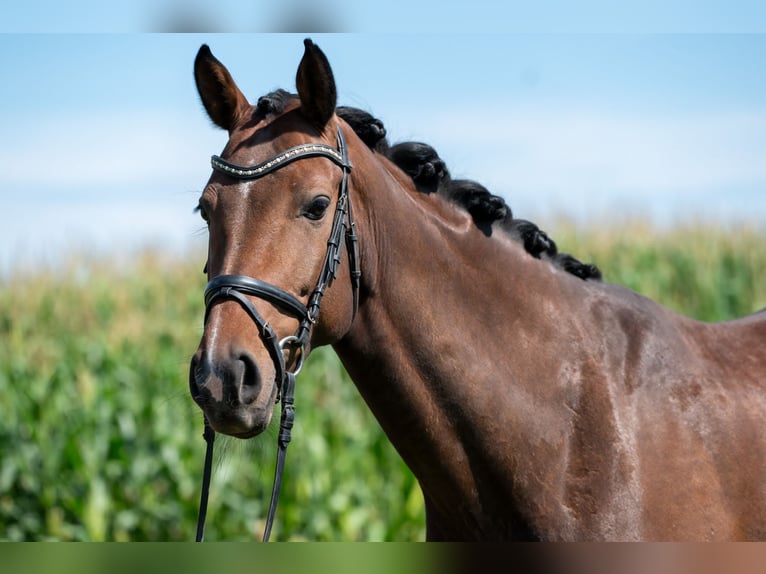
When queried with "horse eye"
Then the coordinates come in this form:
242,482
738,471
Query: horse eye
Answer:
202,213
317,208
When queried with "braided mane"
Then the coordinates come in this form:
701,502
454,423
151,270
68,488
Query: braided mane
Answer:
430,175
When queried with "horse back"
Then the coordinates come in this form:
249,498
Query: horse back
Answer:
682,411
707,440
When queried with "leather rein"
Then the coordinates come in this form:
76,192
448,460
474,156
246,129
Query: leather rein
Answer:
239,287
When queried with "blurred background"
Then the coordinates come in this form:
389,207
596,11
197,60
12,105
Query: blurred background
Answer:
636,142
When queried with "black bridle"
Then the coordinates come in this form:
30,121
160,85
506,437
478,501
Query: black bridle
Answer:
239,287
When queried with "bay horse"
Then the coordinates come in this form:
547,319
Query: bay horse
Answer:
529,404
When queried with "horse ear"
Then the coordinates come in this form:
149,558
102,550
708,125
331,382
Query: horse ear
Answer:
221,97
316,85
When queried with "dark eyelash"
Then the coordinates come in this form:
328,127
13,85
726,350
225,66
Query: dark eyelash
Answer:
199,209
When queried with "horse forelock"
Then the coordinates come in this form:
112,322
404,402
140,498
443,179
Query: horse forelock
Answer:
274,103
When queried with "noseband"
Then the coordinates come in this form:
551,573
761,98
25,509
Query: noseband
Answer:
239,287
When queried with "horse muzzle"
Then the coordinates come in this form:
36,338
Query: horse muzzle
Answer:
230,391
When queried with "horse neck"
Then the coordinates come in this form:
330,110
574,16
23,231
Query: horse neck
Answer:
445,310
434,287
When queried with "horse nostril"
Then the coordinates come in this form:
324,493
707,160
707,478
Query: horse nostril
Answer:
234,379
194,385
209,381
251,379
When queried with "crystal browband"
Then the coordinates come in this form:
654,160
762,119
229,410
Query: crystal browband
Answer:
304,150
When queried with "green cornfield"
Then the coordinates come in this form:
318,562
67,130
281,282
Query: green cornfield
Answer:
99,439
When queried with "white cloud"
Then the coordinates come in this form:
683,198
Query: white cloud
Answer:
102,182
41,233
99,150
569,156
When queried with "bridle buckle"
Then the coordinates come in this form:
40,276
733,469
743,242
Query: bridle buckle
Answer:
295,343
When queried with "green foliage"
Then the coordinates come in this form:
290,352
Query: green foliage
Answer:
711,274
100,440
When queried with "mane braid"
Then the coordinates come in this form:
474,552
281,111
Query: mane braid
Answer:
369,129
274,103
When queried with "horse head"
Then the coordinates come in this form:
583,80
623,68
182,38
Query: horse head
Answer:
277,210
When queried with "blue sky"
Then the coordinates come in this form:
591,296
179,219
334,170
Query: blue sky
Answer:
409,16
106,145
